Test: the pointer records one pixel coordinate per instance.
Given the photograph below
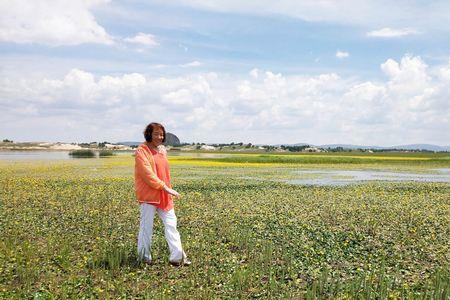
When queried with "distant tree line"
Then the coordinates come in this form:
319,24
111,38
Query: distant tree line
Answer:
240,144
341,149
294,148
403,150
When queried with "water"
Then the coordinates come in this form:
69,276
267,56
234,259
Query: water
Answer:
34,155
198,155
58,155
43,155
306,177
345,177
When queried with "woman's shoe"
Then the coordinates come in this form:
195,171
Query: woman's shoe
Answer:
183,262
186,261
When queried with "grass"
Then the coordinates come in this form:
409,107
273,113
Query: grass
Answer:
333,159
69,230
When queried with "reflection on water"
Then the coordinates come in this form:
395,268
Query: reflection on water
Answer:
345,177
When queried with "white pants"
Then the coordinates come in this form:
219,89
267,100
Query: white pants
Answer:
170,231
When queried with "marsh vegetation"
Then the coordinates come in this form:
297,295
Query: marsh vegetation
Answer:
87,153
69,230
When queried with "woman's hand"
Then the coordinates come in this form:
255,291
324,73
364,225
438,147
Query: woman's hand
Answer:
171,192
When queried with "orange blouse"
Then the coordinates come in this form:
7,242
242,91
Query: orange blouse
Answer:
163,173
151,174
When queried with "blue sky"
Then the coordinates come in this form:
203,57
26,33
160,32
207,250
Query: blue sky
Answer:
361,72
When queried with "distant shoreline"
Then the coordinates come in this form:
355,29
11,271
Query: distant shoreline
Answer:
225,148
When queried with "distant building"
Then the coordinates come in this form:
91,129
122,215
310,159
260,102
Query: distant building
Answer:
207,147
312,149
117,147
65,146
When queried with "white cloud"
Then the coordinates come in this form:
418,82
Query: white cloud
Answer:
444,72
391,33
254,73
191,64
408,77
342,54
54,23
410,105
144,39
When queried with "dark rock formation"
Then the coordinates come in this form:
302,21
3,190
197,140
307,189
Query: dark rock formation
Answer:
171,139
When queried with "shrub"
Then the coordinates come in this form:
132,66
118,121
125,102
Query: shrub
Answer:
82,153
103,153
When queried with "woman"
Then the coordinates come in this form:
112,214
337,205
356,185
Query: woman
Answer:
154,193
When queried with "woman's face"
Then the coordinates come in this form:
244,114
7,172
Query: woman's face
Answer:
157,137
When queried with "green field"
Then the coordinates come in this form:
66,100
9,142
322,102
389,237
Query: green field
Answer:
69,229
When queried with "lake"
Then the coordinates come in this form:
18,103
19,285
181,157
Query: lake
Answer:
61,155
305,177
34,155
345,177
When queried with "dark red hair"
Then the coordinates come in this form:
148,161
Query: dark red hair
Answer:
149,130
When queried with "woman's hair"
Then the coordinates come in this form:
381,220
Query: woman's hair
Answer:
149,130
